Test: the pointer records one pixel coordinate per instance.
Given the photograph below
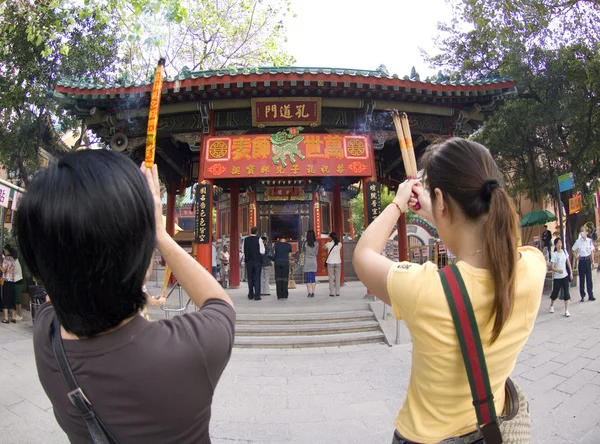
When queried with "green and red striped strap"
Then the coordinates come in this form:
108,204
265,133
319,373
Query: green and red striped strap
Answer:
470,343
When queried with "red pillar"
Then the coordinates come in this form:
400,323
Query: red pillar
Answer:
218,234
402,239
234,236
338,219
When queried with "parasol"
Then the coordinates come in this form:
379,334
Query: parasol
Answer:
537,217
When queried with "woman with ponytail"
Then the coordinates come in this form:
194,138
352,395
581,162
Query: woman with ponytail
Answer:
475,219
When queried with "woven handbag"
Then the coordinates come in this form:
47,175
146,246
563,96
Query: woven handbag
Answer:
515,426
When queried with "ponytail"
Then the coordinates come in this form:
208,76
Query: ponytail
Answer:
500,232
465,172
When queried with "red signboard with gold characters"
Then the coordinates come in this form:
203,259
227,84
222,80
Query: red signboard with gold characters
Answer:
287,153
282,111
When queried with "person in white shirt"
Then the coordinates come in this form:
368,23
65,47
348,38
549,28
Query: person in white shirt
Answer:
584,249
561,276
334,263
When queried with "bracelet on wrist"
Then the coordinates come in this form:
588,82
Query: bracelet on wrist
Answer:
398,206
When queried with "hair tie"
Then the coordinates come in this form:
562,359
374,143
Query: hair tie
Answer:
487,188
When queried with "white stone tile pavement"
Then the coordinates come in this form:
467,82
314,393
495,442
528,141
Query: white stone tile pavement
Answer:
342,394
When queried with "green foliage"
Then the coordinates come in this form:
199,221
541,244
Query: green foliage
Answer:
358,209
115,40
551,48
38,45
210,35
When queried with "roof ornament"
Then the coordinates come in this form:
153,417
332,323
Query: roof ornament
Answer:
383,70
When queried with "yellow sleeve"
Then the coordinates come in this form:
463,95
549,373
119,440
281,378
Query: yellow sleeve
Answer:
407,283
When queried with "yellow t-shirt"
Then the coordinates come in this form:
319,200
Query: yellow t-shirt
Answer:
438,404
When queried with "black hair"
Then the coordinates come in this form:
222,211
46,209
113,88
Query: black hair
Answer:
264,238
253,230
334,237
556,241
86,229
12,251
311,238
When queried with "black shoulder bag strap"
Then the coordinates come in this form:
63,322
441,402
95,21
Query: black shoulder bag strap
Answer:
472,352
327,258
98,432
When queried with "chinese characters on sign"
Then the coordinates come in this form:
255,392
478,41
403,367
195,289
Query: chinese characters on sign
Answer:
286,112
575,204
203,214
373,201
322,257
4,196
287,153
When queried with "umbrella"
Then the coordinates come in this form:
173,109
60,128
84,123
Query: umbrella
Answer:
537,217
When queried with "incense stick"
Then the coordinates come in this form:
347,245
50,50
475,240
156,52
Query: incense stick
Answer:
400,133
153,115
406,147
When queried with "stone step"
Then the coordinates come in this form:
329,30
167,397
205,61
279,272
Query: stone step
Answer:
304,318
304,341
332,328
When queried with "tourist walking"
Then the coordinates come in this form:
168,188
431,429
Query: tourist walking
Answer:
584,251
311,252
334,263
476,220
253,251
265,276
282,267
133,381
9,301
562,275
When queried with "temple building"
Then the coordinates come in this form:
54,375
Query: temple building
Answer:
284,149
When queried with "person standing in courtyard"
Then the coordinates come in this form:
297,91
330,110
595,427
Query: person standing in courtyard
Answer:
584,250
311,252
253,251
265,274
18,288
224,259
282,267
133,381
547,241
9,302
475,219
334,263
215,259
562,275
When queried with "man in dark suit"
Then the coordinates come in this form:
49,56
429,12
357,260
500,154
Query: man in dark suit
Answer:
254,248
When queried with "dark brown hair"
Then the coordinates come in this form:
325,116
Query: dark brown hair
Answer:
468,177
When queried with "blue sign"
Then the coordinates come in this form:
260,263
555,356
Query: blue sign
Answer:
566,182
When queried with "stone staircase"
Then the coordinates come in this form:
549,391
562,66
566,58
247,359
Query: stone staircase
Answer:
307,329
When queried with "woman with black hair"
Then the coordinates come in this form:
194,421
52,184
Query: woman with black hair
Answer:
9,302
282,267
311,251
562,275
334,263
87,227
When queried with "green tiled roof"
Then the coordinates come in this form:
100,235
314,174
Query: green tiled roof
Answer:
185,74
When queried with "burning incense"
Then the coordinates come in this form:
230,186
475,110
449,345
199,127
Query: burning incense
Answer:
406,146
403,148
153,115
412,161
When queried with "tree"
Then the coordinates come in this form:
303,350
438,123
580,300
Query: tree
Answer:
210,35
114,41
37,48
551,48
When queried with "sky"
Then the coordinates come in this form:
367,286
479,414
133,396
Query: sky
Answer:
363,34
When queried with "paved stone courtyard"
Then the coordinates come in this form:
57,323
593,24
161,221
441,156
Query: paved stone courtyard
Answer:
341,395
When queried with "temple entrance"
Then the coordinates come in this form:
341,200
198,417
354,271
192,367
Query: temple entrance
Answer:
285,225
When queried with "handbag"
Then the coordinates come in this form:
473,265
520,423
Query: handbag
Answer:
98,431
515,426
